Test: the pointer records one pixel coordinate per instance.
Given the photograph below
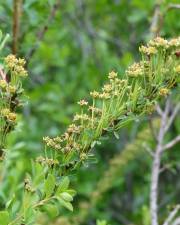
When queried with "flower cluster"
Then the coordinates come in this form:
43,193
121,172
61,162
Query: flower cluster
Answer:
148,50
46,161
135,70
11,72
120,101
16,65
6,113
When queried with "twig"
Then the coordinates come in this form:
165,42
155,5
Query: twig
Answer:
165,167
160,148
176,221
172,215
173,6
171,143
43,30
159,110
156,168
148,149
157,20
2,74
172,117
17,8
158,17
152,130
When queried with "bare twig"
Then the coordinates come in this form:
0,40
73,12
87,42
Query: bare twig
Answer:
173,6
157,20
172,215
156,167
2,74
171,143
159,110
176,221
158,17
148,149
172,117
17,9
153,131
160,148
43,30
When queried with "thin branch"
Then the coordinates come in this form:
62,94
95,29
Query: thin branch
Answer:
153,131
156,167
2,74
165,167
43,30
157,20
171,143
148,149
172,215
176,221
159,110
17,9
172,117
173,6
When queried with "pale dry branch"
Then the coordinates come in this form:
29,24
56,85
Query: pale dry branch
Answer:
148,149
172,215
171,143
173,6
2,74
156,167
159,110
176,221
172,117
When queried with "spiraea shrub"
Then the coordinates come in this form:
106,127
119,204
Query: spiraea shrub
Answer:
122,99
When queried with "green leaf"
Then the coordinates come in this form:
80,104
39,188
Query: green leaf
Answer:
4,217
66,197
49,185
101,222
67,205
116,134
71,192
29,216
52,210
0,35
63,186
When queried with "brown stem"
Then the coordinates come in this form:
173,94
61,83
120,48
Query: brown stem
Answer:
17,9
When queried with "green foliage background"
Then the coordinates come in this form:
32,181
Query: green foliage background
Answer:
85,40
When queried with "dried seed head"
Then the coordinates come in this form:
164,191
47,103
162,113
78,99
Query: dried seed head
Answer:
73,129
4,112
11,61
3,84
135,70
175,42
82,102
107,88
112,75
95,109
148,50
104,95
163,91
11,89
12,117
158,42
94,94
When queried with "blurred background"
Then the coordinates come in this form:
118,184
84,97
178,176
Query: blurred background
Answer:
70,46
